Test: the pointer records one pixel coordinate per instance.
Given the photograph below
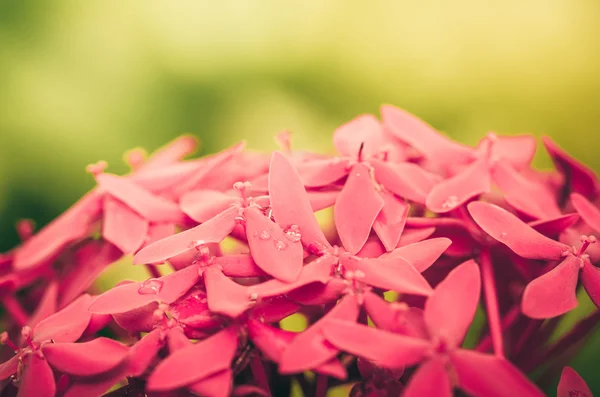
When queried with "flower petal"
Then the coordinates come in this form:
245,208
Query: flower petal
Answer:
85,359
98,385
318,293
395,317
430,379
406,180
389,224
290,202
46,307
382,347
323,172
588,211
143,353
357,208
422,254
202,205
553,293
517,150
172,152
363,132
212,231
215,385
571,382
309,349
37,378
224,295
590,276
553,227
270,340
528,196
175,370
455,191
514,233
10,366
483,375
450,310
271,248
122,226
66,325
238,265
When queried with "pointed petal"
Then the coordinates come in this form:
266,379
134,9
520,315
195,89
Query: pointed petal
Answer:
172,152
122,226
162,181
395,317
422,254
528,196
430,379
417,133
85,359
272,250
363,130
11,366
553,227
588,211
450,310
126,297
238,265
332,368
47,305
581,178
453,192
290,202
270,340
389,224
393,274
483,375
554,293
382,347
411,236
571,382
514,233
224,295
309,349
175,370
249,390
590,277
357,208
143,353
212,231
98,385
149,206
205,204
321,199
406,180
323,172
517,150
37,379
318,293
177,340
66,325
215,385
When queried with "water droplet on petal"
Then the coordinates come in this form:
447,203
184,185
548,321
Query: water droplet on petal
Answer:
151,286
264,235
254,297
293,233
239,220
280,245
196,243
359,274
451,202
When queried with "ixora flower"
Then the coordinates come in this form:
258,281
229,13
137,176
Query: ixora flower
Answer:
425,235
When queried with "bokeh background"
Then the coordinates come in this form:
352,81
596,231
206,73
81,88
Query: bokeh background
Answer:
82,81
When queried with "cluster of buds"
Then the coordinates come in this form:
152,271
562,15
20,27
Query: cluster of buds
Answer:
424,236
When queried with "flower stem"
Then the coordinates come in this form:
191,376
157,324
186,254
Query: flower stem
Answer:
14,308
491,301
322,384
507,321
259,373
153,270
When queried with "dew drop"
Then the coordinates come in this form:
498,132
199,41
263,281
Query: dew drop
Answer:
451,202
264,235
254,297
359,274
293,234
239,220
280,245
151,286
196,243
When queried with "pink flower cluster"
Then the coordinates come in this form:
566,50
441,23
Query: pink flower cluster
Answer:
448,228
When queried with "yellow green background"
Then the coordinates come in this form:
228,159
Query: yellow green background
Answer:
82,81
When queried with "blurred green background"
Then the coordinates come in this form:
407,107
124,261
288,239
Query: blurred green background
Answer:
82,81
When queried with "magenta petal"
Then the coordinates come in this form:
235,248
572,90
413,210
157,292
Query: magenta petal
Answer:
175,370
274,309
224,295
290,202
389,224
553,293
66,325
452,193
363,131
238,265
151,207
271,248
85,359
588,211
450,310
46,306
393,274
357,208
270,340
98,385
582,179
122,226
332,368
528,196
143,353
164,180
323,172
309,349
215,385
321,199
11,366
483,375
249,390
553,227
37,378
395,317
430,379
517,150
192,311
406,180
177,339
205,204
171,152
590,276
516,234
571,382
411,236
318,293
212,231
422,254
382,347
